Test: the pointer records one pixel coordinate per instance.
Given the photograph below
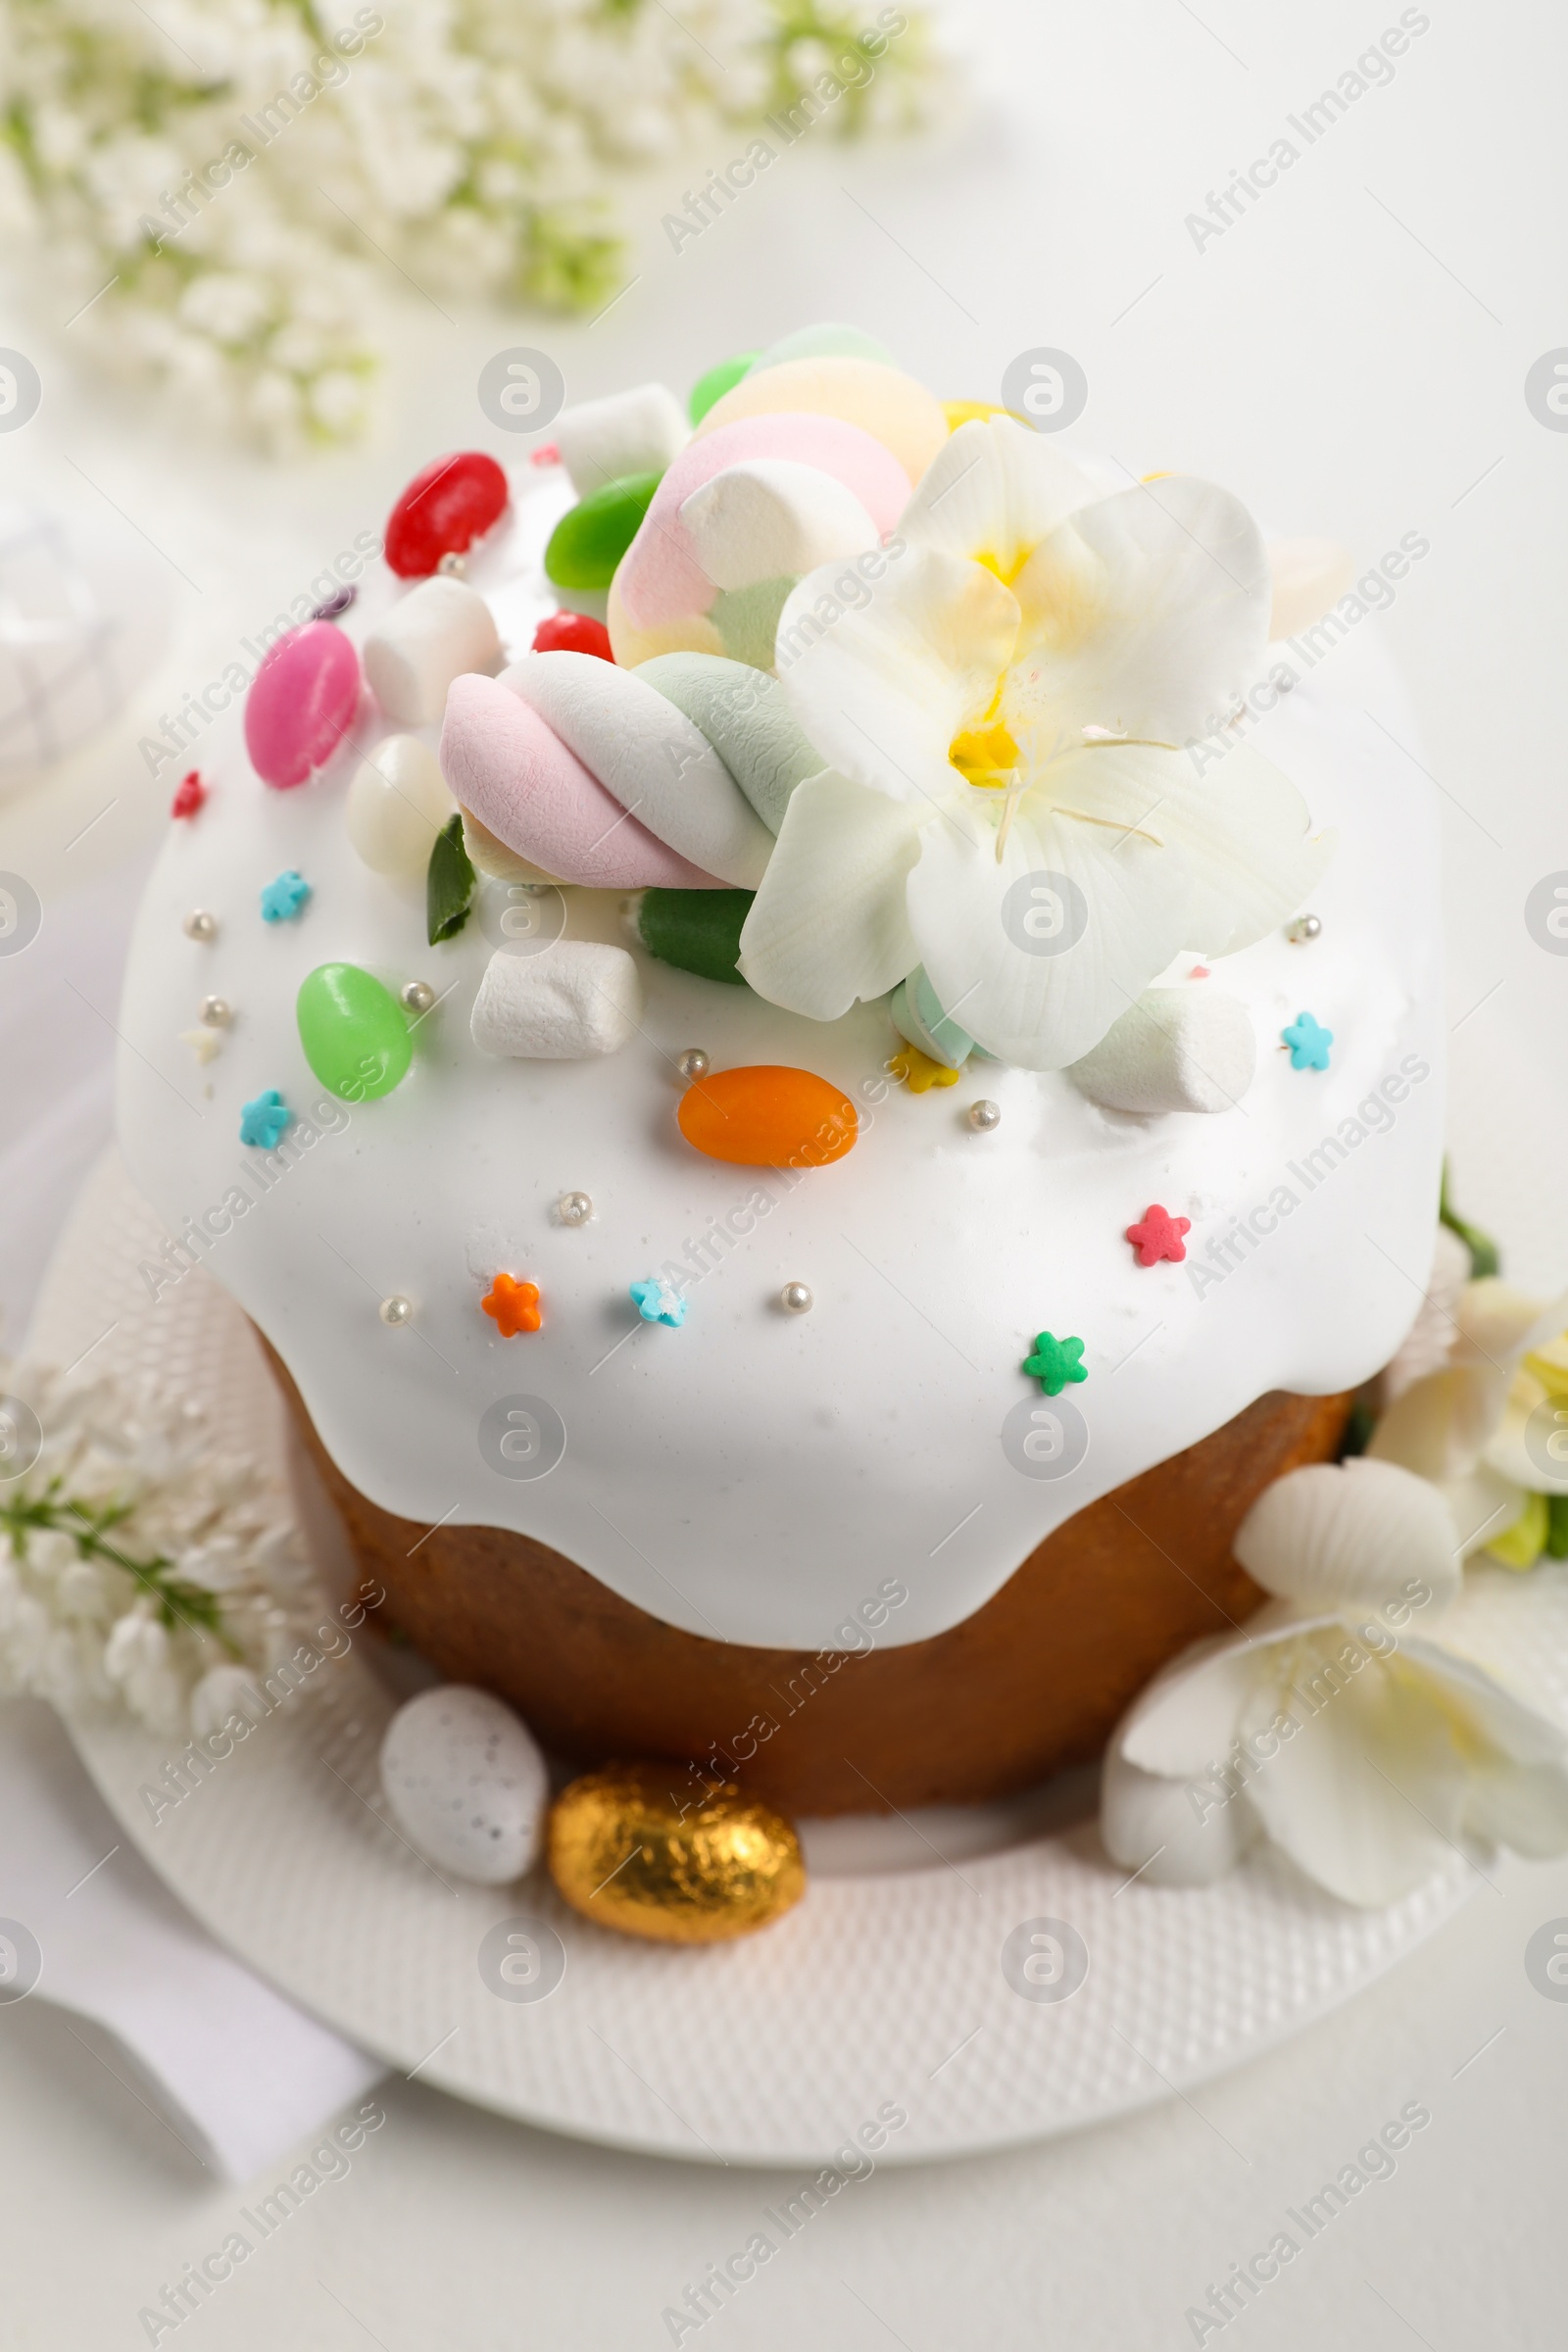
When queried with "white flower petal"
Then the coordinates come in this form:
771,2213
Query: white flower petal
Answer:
882,689
1118,901
1523,1806
828,924
1181,1724
1439,1427
1368,1794
1483,1506
1167,1834
992,492
1429,1343
1491,1712
1146,614
1349,1535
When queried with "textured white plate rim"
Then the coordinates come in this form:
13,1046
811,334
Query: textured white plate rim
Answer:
294,1870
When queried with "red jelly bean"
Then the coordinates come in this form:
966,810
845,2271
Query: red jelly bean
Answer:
573,634
443,510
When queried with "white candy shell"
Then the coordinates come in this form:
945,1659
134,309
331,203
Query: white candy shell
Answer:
574,1000
628,432
1350,1536
432,636
772,519
1177,1049
397,805
651,757
466,1784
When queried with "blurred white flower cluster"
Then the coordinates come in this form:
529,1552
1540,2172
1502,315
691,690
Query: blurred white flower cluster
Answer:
134,1561
239,174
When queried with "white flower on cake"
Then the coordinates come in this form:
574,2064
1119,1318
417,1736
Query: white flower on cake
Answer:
1008,703
1490,1428
1364,1750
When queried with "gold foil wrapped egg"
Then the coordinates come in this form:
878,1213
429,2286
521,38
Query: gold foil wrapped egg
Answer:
634,1849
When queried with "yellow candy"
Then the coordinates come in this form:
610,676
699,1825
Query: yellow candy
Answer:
641,1848
919,1071
970,411
883,402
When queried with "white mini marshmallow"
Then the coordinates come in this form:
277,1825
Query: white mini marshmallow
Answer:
397,805
573,999
772,518
647,751
1177,1049
432,636
627,432
465,1783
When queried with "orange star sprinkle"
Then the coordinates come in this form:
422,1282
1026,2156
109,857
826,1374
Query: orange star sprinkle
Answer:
512,1307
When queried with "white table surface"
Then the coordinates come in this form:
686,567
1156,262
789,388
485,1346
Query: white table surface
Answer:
1349,356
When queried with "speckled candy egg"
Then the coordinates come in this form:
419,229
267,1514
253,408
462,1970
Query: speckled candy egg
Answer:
466,1784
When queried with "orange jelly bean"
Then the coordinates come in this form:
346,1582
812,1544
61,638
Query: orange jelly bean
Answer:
768,1116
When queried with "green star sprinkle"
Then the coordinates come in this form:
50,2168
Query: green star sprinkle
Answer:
1056,1363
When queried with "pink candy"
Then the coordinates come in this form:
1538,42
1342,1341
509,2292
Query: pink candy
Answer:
301,703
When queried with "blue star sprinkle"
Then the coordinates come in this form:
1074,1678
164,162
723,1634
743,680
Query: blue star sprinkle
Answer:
263,1121
657,1303
1308,1041
282,899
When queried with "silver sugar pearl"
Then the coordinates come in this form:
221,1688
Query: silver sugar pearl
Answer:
452,566
795,1298
395,1311
984,1115
1304,927
201,925
416,996
693,1063
575,1208
216,1012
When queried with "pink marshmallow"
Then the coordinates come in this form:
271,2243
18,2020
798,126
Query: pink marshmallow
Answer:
659,579
501,760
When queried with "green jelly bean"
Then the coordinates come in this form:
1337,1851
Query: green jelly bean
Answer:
716,383
589,541
355,1036
699,930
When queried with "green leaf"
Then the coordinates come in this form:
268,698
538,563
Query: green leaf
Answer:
1557,1527
697,930
1484,1258
447,883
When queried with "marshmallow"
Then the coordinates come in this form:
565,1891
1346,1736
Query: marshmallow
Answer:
746,716
432,636
1177,1049
773,518
628,432
574,999
397,805
660,590
504,765
1309,575
651,757
919,1019
823,341
884,402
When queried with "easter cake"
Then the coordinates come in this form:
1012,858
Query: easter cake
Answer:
811,1030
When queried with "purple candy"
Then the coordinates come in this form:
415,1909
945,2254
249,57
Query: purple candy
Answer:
337,603
301,703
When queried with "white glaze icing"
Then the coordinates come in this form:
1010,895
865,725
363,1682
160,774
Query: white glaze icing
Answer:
757,1475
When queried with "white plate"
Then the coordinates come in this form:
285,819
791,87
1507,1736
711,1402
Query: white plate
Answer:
883,1991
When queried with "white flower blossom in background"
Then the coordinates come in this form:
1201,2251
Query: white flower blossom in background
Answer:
137,1567
1335,1724
232,193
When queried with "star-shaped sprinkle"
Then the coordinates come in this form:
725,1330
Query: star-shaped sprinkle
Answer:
1308,1041
1158,1235
264,1120
203,1041
659,1302
511,1306
1056,1363
919,1071
189,794
282,899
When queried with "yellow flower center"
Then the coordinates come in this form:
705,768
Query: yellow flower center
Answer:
986,753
